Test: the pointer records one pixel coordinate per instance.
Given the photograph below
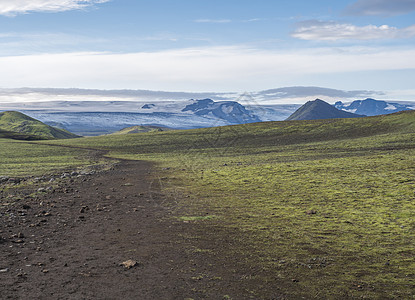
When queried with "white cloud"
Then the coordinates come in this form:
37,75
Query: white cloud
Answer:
380,7
15,7
196,69
332,31
253,20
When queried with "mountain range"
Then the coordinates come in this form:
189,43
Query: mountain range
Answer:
96,112
372,107
188,114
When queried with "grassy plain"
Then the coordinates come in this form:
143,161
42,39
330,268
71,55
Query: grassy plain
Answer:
18,158
322,209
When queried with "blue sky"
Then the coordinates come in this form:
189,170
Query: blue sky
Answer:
195,45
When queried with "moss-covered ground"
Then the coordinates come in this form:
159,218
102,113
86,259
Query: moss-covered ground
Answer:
18,158
322,209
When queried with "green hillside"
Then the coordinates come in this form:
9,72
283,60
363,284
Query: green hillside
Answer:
320,209
19,124
19,136
255,136
318,109
141,129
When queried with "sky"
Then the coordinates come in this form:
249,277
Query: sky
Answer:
199,45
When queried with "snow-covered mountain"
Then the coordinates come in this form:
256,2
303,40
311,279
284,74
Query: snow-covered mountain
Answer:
372,107
174,114
97,123
231,111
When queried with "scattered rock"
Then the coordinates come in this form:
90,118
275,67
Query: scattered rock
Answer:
4,179
311,212
13,180
4,270
83,209
129,264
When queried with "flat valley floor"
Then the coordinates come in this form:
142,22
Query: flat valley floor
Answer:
69,242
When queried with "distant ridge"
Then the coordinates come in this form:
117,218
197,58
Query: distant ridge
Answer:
141,129
319,109
16,125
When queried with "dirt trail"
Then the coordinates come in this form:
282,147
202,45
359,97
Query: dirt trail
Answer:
69,242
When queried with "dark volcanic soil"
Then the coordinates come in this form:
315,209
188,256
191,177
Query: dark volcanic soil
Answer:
69,239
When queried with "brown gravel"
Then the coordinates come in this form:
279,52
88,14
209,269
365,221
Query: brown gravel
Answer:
70,243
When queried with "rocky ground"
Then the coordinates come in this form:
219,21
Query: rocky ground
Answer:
104,235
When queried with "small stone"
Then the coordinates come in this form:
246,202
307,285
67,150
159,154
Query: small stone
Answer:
311,212
45,271
129,264
4,270
20,235
4,179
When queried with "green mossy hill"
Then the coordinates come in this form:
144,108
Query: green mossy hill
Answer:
19,136
254,135
20,126
318,109
141,129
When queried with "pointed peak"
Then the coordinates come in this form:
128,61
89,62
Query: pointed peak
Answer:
319,109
